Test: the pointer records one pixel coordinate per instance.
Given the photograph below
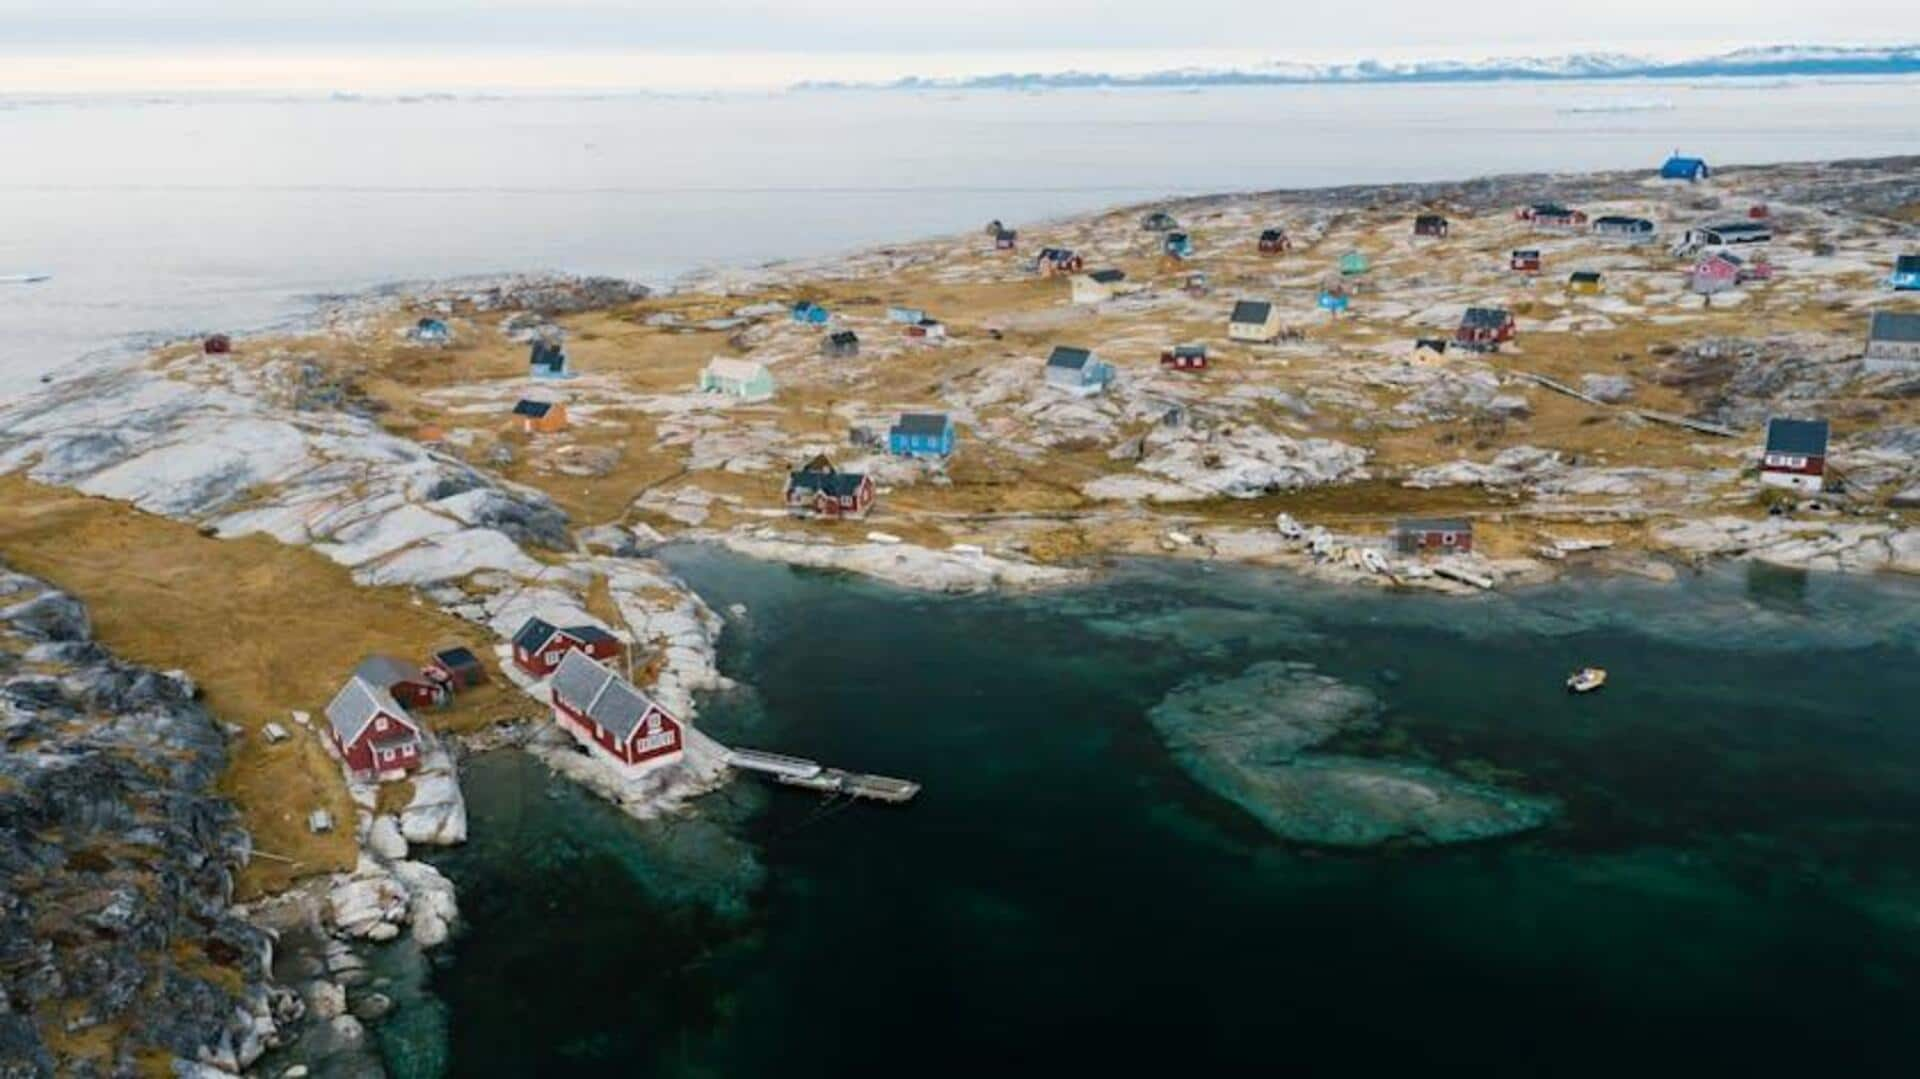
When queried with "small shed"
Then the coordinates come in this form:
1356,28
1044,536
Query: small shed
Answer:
411,685
818,489
540,417
1274,242
809,313
1893,341
547,359
1483,329
1690,169
431,331
1585,282
927,329
1184,358
1525,260
373,733
1906,274
1552,215
1433,535
1621,227
1428,350
1177,245
1159,221
921,434
1057,261
611,719
840,345
744,380
1430,225
1353,264
1253,320
458,667
1796,454
540,645
1006,240
1077,369
1196,284
217,344
1098,286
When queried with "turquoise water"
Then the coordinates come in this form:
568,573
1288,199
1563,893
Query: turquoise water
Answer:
1733,882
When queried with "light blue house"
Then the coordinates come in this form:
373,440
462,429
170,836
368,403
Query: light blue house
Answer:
1906,274
1333,300
809,313
1078,370
1690,169
910,316
921,434
548,360
432,331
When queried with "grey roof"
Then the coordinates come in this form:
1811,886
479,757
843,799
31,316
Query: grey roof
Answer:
1894,326
1433,524
1907,264
1189,350
547,354
1737,227
356,705
1491,318
458,656
1808,438
601,695
1069,357
532,633
922,423
535,409
1108,277
1250,312
386,671
1584,275
1615,221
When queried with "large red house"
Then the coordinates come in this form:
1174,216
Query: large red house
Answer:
540,645
1484,328
611,718
372,732
821,490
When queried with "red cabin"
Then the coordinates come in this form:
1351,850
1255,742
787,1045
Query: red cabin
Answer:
1446,535
1184,357
1525,261
1058,261
373,734
1275,242
540,645
413,687
822,490
1758,212
1484,328
457,668
218,344
612,719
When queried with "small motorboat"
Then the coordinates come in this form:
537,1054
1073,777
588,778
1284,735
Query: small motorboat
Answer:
1289,528
1586,680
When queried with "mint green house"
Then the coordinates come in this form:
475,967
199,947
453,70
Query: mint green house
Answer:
747,380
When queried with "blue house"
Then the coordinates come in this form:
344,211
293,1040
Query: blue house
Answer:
1078,370
921,434
548,360
911,316
1906,274
1178,244
1690,169
432,331
810,313
1333,300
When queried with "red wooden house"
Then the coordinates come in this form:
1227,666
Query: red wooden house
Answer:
1715,272
412,686
612,719
1275,242
1796,454
1551,215
372,732
1184,357
1430,225
1484,328
457,668
1525,260
539,646
218,344
821,490
1057,261
1446,535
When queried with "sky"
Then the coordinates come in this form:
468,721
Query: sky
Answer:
58,45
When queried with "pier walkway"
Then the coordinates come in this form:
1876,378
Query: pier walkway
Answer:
801,772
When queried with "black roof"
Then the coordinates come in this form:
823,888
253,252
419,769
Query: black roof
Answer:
1069,357
535,409
1585,275
456,657
1250,312
533,633
1894,326
922,423
1438,344
1433,524
1491,318
1272,234
1617,221
1549,209
547,354
1808,438
1429,218
1907,264
1526,252
836,484
592,634
1737,227
1108,277
844,337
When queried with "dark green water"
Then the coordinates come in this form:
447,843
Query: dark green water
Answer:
1733,886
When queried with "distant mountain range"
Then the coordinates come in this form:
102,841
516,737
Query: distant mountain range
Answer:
1776,60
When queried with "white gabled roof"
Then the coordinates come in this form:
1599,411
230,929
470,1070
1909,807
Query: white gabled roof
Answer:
737,370
356,705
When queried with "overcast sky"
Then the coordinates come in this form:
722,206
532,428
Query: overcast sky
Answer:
424,41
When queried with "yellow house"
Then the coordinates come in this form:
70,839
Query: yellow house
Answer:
1585,282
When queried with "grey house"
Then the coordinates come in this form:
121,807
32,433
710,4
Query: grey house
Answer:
1893,341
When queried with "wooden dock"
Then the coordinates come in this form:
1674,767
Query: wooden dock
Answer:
812,775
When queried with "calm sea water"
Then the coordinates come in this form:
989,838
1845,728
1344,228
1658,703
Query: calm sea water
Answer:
1734,887
185,215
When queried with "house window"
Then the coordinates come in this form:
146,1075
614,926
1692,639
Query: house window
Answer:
1446,539
380,724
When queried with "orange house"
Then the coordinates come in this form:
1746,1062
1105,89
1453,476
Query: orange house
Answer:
541,417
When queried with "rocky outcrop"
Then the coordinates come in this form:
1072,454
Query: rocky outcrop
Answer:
1848,546
1251,738
117,940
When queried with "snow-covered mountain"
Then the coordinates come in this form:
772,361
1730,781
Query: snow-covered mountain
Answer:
1764,60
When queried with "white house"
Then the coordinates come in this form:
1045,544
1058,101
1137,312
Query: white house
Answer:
1254,320
747,380
1097,287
